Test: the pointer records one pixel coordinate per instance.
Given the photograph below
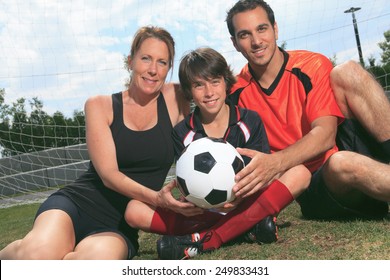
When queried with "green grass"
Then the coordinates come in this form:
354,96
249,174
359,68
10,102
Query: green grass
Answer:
299,239
15,222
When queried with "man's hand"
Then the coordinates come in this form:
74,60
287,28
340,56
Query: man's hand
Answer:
261,170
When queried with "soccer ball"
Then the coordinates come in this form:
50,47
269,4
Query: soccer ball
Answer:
205,172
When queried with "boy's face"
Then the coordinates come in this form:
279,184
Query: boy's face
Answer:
209,95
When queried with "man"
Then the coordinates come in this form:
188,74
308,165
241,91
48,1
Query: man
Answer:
291,92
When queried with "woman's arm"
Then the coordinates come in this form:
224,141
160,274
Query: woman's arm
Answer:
101,149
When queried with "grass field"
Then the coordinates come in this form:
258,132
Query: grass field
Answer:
299,239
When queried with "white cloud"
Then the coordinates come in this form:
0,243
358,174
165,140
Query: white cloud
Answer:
65,51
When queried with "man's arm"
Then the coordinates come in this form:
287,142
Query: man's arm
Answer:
263,168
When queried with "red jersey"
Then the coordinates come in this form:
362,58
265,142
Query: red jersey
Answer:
300,94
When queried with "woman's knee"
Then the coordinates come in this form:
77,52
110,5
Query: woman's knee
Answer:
101,246
38,249
113,252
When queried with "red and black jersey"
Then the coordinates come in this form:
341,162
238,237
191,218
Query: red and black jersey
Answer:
300,94
246,130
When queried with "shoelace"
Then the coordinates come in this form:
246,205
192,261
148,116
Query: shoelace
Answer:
196,246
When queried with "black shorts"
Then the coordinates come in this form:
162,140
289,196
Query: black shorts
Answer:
317,203
351,136
83,224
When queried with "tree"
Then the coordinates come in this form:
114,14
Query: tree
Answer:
382,75
382,71
283,45
4,122
23,132
333,59
385,47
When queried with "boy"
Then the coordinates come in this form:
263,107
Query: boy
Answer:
206,78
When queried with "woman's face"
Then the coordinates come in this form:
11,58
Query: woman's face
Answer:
150,66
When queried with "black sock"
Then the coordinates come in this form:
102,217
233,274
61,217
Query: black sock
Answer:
386,147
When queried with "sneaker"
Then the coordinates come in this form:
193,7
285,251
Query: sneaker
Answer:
265,231
181,247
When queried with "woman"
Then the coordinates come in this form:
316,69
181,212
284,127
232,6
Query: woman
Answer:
129,142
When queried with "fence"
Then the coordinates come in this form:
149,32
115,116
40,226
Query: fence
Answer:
42,170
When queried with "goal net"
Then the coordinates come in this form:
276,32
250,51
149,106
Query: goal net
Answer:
55,54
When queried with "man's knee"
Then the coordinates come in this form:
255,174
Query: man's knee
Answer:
342,174
343,166
348,75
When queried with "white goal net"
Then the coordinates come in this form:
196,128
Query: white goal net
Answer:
55,54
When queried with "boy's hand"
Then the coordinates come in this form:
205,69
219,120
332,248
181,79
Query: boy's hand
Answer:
167,201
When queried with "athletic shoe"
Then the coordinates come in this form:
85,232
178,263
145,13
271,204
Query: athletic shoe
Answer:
265,231
181,247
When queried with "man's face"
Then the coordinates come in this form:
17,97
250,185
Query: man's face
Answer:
255,37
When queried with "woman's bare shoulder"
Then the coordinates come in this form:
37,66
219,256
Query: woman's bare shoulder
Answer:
99,108
98,101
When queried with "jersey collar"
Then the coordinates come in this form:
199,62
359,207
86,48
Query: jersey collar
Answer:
195,123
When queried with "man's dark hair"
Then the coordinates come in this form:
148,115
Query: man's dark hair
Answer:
247,5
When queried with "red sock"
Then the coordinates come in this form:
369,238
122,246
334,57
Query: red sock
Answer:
167,222
248,213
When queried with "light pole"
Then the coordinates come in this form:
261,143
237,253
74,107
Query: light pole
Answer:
353,10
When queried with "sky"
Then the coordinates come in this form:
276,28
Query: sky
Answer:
65,51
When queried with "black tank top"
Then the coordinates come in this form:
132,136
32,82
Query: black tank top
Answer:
145,156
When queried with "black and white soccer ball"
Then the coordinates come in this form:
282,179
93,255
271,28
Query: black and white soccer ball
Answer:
205,172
